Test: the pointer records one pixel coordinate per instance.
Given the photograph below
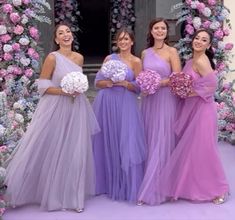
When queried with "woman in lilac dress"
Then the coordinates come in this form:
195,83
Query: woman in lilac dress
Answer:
53,162
119,149
194,171
158,109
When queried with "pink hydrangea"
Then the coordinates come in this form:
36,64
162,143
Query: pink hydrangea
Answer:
5,38
189,29
18,30
16,47
15,17
7,8
26,2
33,54
219,34
149,81
206,24
7,57
181,84
211,2
28,72
226,31
201,6
228,46
34,32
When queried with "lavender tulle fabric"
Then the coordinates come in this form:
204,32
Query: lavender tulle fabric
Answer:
194,170
159,112
53,163
119,149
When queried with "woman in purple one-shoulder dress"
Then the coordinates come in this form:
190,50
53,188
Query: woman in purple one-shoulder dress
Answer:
53,163
119,149
158,109
194,170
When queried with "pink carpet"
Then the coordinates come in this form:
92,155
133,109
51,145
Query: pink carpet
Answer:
101,208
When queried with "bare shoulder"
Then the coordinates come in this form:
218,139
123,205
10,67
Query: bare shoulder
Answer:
79,58
50,58
143,54
203,65
136,60
107,58
48,66
173,50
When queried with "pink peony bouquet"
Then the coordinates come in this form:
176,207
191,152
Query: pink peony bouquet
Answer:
149,81
181,84
114,70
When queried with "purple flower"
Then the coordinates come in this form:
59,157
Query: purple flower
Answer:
5,38
28,72
206,24
16,47
219,34
189,29
211,2
18,30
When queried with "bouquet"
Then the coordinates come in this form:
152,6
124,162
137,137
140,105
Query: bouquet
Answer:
148,81
114,70
181,84
74,82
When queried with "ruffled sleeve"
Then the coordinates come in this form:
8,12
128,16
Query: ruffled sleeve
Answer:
43,85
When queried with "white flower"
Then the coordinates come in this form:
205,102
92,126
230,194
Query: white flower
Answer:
24,41
224,13
25,61
114,70
19,105
19,118
194,4
215,25
2,173
17,2
10,69
3,29
221,45
25,19
206,12
7,48
197,22
74,82
2,130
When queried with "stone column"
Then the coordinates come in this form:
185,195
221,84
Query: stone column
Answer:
47,31
145,11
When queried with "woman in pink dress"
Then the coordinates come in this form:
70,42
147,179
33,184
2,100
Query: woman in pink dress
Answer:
158,109
194,171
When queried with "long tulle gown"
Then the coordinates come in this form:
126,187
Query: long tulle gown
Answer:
119,149
194,171
53,162
159,112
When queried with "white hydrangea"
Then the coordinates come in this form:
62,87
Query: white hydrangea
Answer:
3,29
221,45
2,173
225,13
19,118
74,82
2,130
206,12
194,4
7,48
114,70
24,19
17,2
197,22
24,41
25,61
214,25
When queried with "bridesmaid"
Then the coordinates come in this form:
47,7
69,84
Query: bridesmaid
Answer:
194,171
53,163
119,150
158,109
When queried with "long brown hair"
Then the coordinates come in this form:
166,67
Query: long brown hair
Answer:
209,52
150,39
56,46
